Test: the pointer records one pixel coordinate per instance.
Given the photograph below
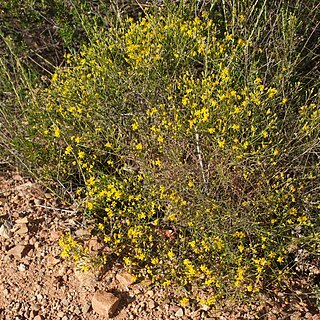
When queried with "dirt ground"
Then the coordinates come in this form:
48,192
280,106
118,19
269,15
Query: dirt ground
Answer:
36,283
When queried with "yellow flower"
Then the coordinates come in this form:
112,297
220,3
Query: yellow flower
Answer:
272,92
221,143
257,81
135,126
81,154
138,146
57,132
166,283
68,150
184,301
54,77
280,259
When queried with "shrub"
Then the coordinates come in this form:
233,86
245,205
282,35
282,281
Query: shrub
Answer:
196,170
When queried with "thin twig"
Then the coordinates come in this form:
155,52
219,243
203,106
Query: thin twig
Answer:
53,208
200,159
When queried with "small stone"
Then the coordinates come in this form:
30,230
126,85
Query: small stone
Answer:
22,229
22,267
60,314
151,304
179,313
5,232
52,261
104,303
19,251
22,220
38,202
77,311
36,307
82,232
38,317
125,279
17,177
84,277
150,293
39,296
86,307
55,235
94,244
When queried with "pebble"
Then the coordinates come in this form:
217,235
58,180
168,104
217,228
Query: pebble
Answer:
125,279
179,313
22,267
5,232
23,229
36,307
151,304
22,220
39,296
104,303
19,251
86,307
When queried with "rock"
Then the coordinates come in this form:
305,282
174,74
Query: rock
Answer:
150,293
6,292
94,244
22,220
151,304
125,279
17,177
22,229
104,303
55,235
19,251
179,313
5,232
86,307
52,261
82,232
84,277
38,317
3,200
36,307
22,267
38,202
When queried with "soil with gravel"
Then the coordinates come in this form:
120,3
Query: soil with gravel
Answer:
37,284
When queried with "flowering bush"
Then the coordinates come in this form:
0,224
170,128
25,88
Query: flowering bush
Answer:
194,172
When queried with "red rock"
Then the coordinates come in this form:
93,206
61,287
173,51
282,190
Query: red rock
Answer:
125,279
22,229
22,220
104,303
19,251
